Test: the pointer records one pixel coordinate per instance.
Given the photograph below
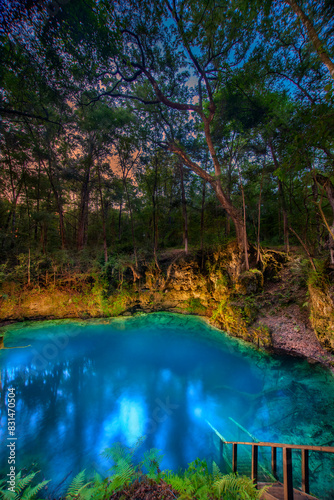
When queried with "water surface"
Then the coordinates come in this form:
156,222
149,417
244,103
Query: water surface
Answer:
82,386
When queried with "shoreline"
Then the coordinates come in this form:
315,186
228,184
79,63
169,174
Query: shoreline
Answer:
314,354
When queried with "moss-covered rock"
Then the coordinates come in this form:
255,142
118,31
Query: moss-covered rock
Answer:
249,282
272,262
261,336
322,313
229,317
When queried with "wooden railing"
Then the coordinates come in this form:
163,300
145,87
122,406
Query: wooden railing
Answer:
287,462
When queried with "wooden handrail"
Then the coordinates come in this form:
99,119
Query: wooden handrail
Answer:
326,449
287,461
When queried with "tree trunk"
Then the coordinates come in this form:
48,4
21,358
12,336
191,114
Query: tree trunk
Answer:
327,184
58,203
120,220
38,198
28,207
285,217
224,200
244,231
184,210
83,207
313,36
131,220
259,219
105,248
202,215
155,218
315,195
283,204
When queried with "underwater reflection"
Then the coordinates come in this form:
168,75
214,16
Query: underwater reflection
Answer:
162,376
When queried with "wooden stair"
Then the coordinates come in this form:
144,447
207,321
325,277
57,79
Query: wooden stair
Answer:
276,492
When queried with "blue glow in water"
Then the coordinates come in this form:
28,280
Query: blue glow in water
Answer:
82,386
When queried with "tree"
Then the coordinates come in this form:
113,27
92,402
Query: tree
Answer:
313,36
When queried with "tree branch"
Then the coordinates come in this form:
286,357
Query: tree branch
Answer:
15,112
192,165
318,45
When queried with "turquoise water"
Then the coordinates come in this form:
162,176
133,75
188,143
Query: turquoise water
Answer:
82,386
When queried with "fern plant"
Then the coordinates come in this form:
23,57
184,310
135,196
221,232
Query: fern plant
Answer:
197,483
151,463
23,488
234,487
194,483
78,487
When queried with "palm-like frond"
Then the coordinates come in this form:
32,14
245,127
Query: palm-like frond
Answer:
30,492
151,462
116,452
8,495
216,472
124,474
237,487
20,484
76,483
182,485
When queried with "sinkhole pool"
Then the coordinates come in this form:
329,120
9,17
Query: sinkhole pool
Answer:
81,386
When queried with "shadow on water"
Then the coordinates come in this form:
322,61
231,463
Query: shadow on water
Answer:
82,387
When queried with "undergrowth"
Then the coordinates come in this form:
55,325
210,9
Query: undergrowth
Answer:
129,478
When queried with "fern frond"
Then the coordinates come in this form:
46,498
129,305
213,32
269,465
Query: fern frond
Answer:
23,483
216,472
151,462
117,452
83,488
31,492
137,444
97,478
76,483
90,494
182,485
237,487
8,495
124,471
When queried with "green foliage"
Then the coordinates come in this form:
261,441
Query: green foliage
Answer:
194,483
261,335
117,303
151,463
197,482
24,490
194,305
234,487
230,317
319,278
77,486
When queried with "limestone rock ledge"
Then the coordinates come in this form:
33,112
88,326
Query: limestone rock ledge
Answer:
211,284
322,313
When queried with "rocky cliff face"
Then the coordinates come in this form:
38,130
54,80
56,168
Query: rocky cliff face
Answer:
210,285
266,305
322,312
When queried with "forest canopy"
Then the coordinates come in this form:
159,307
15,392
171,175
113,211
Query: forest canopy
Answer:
132,126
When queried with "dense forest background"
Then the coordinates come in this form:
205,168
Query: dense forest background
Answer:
130,127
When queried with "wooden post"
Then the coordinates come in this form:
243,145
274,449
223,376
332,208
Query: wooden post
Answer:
287,474
305,472
221,451
255,450
274,461
234,457
1,342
